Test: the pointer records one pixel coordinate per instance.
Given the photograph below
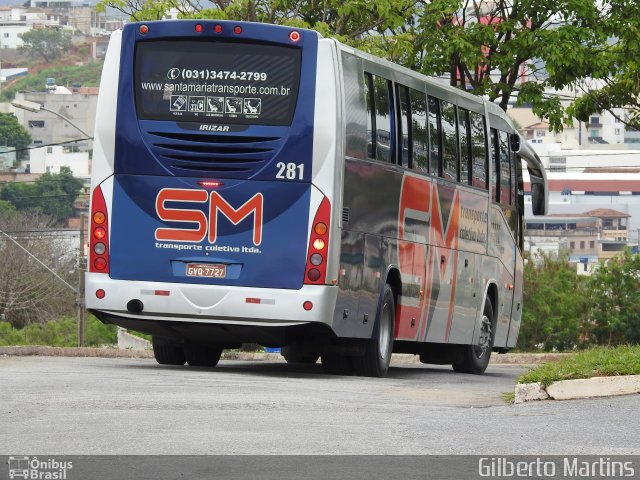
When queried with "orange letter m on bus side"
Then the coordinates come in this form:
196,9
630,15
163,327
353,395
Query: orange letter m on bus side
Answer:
252,206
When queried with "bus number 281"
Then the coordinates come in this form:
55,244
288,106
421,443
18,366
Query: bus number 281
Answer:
290,171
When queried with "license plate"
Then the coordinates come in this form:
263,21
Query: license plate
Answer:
210,270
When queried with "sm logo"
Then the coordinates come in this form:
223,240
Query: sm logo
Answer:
201,224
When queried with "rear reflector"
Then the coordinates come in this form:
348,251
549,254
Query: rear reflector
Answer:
261,301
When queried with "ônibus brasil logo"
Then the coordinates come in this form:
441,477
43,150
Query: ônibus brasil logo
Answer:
31,468
205,225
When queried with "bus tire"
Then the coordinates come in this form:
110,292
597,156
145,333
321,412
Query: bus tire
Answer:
333,364
167,351
378,350
201,355
476,357
293,355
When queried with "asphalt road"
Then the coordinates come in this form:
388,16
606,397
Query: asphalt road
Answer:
70,406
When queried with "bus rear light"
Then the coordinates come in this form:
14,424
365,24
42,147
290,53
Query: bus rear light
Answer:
217,28
99,239
144,29
316,259
210,183
237,30
99,233
316,271
320,228
100,293
199,27
294,36
307,305
99,218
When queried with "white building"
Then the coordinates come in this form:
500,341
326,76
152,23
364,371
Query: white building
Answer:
11,34
602,129
50,159
582,180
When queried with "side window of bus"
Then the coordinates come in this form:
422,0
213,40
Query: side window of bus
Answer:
464,129
419,130
371,126
505,169
435,136
404,132
495,148
383,119
450,168
480,170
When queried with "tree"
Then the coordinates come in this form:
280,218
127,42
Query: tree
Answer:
51,194
59,192
28,292
345,19
616,83
555,306
615,289
13,134
6,208
47,43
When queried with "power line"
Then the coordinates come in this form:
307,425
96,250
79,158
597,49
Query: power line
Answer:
48,196
47,145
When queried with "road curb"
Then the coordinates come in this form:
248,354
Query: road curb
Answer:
108,352
580,388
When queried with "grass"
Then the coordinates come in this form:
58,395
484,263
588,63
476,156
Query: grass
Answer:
58,333
595,362
509,397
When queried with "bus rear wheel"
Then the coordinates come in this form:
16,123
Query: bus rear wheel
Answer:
167,351
201,355
476,357
377,351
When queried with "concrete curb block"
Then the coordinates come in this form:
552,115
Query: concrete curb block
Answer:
107,352
128,341
580,388
74,352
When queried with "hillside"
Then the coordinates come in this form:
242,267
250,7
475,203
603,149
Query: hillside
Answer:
86,75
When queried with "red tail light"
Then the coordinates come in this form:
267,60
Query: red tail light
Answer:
99,234
316,270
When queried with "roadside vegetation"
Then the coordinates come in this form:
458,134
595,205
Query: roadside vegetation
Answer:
594,362
564,311
58,333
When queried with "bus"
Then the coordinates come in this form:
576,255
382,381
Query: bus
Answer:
255,183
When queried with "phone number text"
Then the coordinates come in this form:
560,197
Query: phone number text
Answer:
189,74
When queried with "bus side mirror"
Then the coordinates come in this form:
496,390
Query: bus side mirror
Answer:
515,142
521,201
538,199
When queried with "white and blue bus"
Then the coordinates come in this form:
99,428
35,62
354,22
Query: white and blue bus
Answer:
259,183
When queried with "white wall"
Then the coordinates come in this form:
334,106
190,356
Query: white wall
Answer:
50,159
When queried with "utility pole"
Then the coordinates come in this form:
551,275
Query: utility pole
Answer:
81,269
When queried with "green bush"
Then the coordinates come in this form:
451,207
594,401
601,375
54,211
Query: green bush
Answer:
555,306
58,333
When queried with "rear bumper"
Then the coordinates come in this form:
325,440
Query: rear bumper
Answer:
177,302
